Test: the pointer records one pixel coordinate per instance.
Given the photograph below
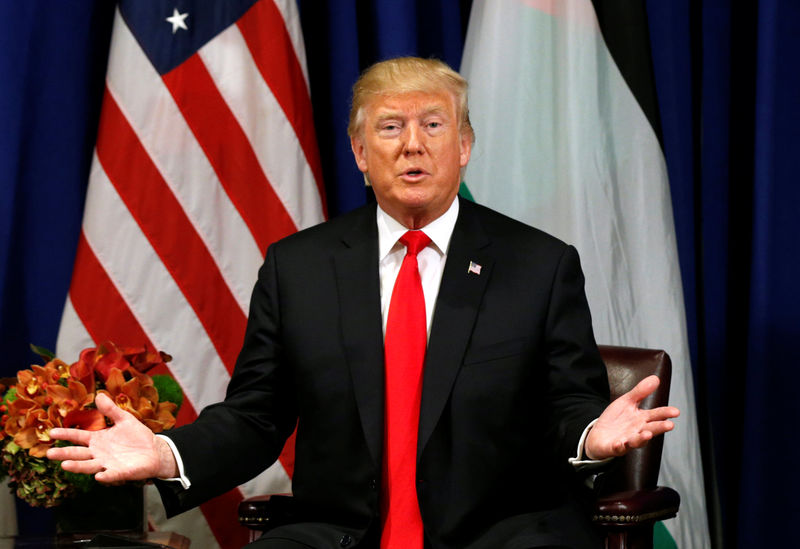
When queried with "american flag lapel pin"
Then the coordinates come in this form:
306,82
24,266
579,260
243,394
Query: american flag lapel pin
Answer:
474,268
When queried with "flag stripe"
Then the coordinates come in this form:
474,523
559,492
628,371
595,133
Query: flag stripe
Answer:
291,19
106,316
152,295
169,142
104,313
265,124
229,151
264,30
165,224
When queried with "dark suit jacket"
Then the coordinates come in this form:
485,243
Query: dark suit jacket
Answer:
512,377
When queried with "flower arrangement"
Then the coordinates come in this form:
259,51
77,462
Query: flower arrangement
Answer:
61,395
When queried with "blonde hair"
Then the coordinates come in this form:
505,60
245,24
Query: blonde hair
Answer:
408,74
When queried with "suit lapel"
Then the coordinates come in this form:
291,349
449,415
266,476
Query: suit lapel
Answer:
457,306
358,285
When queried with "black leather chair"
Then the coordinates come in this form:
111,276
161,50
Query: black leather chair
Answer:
629,500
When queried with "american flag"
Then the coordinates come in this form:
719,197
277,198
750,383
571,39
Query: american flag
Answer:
206,153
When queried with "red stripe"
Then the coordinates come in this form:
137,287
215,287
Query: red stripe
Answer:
104,313
229,151
221,513
164,223
106,316
265,33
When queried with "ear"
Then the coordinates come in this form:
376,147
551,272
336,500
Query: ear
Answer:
359,152
466,149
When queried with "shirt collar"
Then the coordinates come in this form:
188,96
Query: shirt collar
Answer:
440,230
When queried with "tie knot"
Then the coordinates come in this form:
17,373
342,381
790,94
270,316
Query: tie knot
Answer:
414,241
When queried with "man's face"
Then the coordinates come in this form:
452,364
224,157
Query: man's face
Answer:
413,151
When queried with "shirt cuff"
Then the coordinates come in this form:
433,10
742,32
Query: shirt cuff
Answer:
182,478
578,460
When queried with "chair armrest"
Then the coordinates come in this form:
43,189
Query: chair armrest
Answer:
636,507
265,512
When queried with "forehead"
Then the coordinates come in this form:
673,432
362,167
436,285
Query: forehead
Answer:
411,104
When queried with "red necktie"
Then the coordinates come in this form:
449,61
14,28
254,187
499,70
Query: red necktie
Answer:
404,348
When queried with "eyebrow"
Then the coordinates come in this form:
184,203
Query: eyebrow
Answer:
388,115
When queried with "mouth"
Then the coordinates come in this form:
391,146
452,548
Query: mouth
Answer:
413,174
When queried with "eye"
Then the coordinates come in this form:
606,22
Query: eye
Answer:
434,124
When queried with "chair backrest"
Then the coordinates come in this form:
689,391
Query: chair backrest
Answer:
626,367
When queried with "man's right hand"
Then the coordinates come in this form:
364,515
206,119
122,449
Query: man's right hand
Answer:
126,451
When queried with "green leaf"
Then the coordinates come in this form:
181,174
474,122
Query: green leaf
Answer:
42,352
10,396
168,389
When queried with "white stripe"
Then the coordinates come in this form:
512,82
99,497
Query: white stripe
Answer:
191,523
72,334
291,20
263,121
162,130
150,292
273,480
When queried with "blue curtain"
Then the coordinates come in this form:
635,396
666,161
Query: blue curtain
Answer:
728,93
52,66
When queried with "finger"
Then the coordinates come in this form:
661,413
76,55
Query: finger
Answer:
77,436
619,448
109,409
69,453
640,439
644,388
87,467
660,427
662,413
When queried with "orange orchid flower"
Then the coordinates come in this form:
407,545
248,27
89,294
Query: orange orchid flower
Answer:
86,419
35,434
70,398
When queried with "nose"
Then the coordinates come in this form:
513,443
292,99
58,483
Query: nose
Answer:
413,144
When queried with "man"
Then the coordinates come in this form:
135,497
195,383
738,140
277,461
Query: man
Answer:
470,449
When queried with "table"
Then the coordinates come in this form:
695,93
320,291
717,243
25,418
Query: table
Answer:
153,540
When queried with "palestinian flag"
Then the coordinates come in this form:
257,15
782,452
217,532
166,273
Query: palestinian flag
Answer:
566,119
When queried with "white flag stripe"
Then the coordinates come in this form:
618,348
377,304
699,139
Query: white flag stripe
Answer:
291,19
191,523
149,290
274,480
72,335
159,125
580,160
263,121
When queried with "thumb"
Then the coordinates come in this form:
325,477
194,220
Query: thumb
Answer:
108,408
644,388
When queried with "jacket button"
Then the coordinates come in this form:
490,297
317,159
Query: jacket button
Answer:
346,540
373,484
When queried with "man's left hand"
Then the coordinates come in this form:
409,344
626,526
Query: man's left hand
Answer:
624,425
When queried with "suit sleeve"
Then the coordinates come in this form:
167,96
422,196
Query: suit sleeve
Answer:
577,380
233,441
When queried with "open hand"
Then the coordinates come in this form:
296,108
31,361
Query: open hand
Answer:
624,425
126,451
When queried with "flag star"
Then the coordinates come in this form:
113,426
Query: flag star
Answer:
178,20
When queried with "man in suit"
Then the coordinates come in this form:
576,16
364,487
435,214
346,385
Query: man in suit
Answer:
510,401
